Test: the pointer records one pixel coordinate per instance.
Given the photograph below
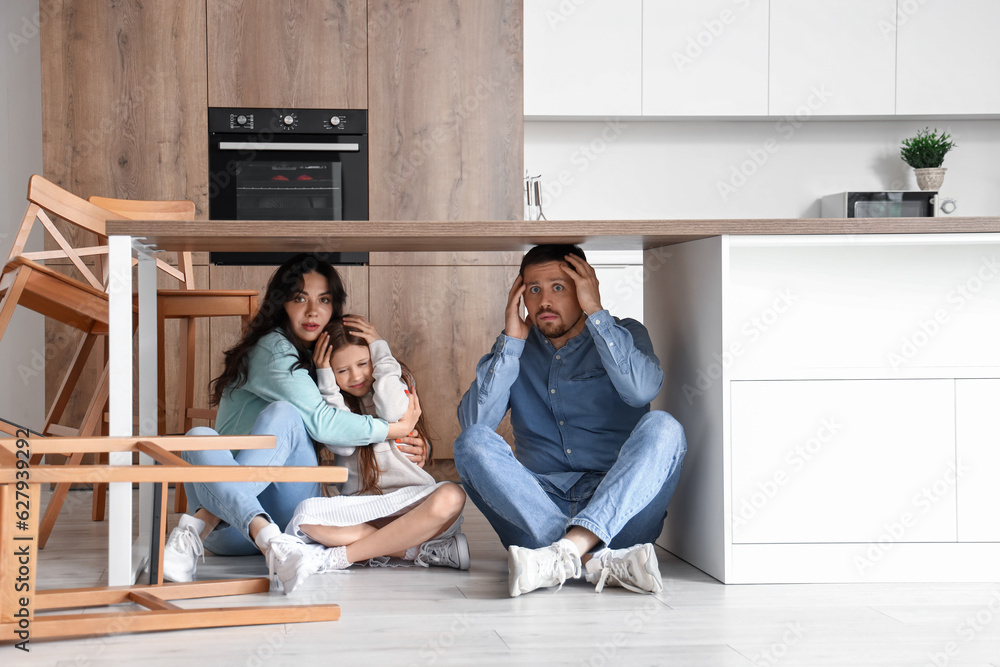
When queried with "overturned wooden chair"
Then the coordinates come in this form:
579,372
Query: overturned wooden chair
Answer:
20,491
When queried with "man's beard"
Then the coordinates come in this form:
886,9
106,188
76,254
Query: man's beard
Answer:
554,328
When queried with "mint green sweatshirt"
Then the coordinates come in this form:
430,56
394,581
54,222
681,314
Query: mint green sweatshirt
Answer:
271,380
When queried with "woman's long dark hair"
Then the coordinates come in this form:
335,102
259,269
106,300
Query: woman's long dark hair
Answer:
286,282
368,470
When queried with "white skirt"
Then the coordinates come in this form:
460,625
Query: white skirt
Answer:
355,510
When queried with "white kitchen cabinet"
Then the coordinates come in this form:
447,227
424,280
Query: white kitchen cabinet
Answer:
978,449
704,58
582,58
843,461
948,57
832,57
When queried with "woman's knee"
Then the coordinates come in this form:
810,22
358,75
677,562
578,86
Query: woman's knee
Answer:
202,431
280,411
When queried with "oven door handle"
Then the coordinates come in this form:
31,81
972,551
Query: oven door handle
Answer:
278,146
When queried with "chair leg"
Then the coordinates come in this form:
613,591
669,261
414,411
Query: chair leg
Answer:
70,380
11,298
100,492
180,498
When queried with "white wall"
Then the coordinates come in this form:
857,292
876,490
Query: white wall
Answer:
22,380
777,168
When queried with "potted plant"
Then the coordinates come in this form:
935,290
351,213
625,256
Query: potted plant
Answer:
925,153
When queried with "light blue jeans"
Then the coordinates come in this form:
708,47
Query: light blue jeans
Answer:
237,503
623,507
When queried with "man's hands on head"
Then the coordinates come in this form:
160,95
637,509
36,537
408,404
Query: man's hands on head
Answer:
588,291
515,327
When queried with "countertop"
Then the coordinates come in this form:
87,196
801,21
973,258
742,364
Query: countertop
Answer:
373,235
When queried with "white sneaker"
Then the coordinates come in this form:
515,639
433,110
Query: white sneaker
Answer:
536,568
330,559
180,554
450,551
634,568
289,559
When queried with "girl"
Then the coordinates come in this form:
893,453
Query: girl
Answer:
389,506
266,387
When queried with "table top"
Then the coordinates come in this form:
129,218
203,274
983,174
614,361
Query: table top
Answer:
417,236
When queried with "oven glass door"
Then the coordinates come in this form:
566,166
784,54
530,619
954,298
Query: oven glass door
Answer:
303,178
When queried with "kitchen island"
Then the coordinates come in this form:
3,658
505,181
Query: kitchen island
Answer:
834,377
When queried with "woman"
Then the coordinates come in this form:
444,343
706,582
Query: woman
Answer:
267,387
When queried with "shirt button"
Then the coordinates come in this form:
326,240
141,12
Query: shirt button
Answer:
561,422
611,344
569,451
552,391
491,370
558,357
597,321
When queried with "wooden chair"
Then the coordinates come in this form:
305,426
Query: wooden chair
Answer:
79,303
20,606
185,304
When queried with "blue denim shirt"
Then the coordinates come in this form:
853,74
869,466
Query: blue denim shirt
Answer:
572,409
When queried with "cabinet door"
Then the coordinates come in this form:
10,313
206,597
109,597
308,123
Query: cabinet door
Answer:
843,461
704,58
819,50
979,459
439,321
583,58
948,57
288,53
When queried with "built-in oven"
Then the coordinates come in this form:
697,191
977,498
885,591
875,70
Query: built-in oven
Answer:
287,164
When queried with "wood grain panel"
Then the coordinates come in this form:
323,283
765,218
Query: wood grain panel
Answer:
288,53
124,112
446,136
440,320
225,331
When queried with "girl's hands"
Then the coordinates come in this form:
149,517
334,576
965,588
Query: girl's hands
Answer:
362,328
406,423
322,351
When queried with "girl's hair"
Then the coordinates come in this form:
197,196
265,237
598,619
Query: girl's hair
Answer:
286,282
368,470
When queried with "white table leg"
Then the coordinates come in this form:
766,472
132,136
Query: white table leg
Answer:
120,406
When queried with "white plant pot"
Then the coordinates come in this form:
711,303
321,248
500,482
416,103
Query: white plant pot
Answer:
930,179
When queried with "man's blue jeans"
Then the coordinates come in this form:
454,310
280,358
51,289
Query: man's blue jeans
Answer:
623,507
237,503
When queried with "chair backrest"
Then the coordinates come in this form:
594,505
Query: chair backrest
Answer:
142,209
46,201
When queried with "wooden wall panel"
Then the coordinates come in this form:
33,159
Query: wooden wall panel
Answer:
440,320
446,120
288,53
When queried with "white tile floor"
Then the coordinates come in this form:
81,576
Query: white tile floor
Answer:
444,617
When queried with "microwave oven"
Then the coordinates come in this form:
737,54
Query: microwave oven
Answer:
887,204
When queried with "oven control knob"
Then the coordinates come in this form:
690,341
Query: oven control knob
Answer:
288,120
335,121
241,120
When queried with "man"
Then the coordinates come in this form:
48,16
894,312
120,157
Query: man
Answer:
594,468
